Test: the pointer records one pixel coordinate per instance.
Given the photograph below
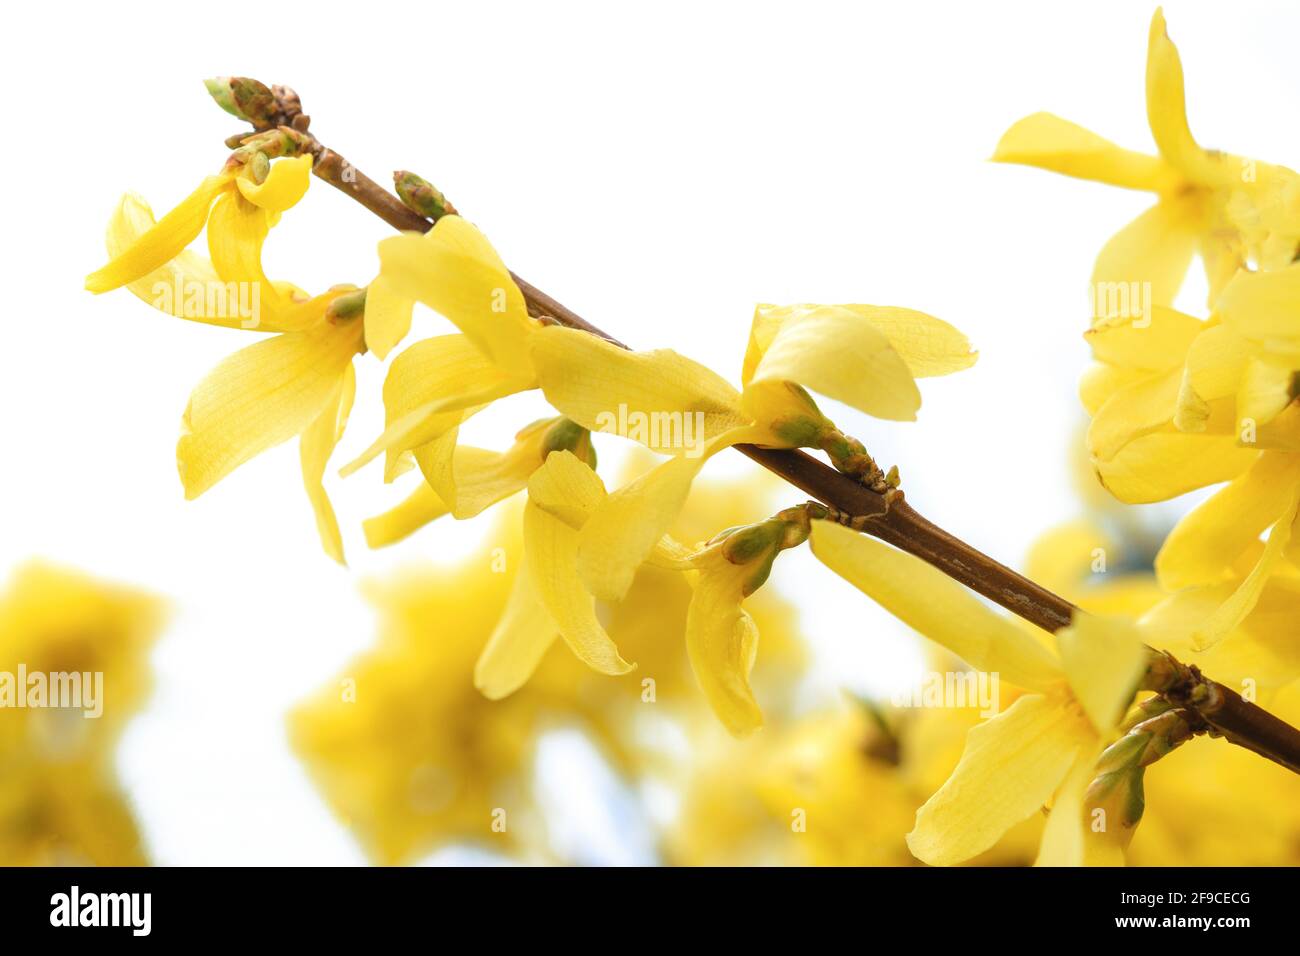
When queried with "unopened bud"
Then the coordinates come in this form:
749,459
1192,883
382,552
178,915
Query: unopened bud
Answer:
245,98
422,196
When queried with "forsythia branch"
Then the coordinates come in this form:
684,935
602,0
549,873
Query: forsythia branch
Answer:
883,515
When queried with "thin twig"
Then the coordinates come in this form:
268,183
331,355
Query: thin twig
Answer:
894,521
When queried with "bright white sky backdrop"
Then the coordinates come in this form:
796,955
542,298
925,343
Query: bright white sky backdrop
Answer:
658,170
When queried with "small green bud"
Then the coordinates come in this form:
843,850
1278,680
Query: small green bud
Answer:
566,435
751,542
347,306
245,98
421,196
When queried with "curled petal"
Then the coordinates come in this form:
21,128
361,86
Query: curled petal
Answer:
722,641
315,447
163,242
388,317
285,184
414,512
1011,766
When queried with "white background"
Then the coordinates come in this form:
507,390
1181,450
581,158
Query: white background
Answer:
660,171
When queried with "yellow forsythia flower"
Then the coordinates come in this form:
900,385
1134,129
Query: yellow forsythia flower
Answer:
59,797
1209,201
299,383
1045,745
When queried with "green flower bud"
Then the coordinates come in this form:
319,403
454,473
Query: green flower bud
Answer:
422,196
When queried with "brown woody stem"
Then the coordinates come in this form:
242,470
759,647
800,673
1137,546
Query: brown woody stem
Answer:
892,520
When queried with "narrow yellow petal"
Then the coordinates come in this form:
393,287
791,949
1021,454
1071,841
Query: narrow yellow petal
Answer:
163,242
414,512
430,388
661,399
473,479
259,397
1147,259
1104,660
455,271
1100,381
551,549
186,286
237,231
518,643
842,355
1209,539
722,641
285,184
1011,766
1064,836
1234,610
1052,143
1167,112
388,317
625,528
315,447
936,606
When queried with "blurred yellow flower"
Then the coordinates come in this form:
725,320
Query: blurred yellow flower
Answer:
59,797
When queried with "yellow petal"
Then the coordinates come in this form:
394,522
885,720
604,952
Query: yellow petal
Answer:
1262,306
1234,610
418,509
928,346
1167,111
429,388
624,529
842,355
1100,382
1265,391
259,397
551,549
1147,260
722,641
1062,558
1104,660
1134,411
163,242
1216,360
237,231
1166,464
186,286
1154,343
314,450
936,606
473,479
1206,542
518,643
455,271
661,399
388,317
1064,835
285,184
566,488
1049,142
1011,766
